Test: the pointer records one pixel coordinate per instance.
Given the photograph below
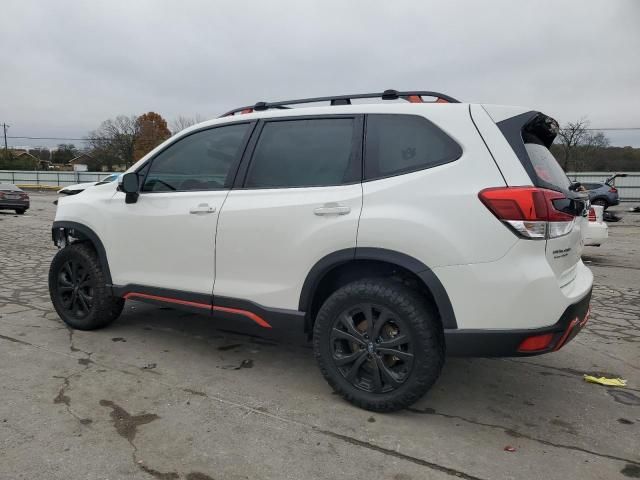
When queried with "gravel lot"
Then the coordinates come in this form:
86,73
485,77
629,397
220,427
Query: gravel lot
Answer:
160,393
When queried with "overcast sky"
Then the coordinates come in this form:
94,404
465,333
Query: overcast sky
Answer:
68,65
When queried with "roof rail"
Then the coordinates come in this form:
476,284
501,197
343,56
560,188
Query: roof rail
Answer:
411,96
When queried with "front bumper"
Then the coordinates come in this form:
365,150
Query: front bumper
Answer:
505,343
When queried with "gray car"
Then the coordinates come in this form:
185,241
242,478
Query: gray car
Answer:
602,193
13,198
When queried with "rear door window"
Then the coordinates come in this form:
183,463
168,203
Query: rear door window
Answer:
397,144
314,152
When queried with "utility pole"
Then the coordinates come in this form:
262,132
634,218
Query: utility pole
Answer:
4,127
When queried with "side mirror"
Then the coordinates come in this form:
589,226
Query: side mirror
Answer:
130,185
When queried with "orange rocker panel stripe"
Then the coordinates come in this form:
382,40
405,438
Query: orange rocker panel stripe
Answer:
250,315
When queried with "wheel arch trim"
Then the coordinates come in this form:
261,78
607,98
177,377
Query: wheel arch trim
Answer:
340,257
61,227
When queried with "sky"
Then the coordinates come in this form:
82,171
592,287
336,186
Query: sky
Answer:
68,65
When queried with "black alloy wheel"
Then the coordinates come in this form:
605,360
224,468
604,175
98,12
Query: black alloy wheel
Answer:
379,343
75,288
371,348
79,289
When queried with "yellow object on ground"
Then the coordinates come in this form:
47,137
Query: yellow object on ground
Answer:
609,382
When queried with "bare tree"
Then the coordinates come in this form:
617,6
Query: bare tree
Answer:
114,141
570,137
180,123
594,141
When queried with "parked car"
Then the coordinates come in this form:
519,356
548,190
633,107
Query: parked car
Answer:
597,230
603,194
80,187
13,198
449,228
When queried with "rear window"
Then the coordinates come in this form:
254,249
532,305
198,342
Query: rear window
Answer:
398,144
546,166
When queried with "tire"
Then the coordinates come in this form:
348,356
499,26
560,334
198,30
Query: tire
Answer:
602,202
404,376
78,290
20,211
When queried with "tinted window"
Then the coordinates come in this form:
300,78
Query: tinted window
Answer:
303,153
200,161
546,166
403,143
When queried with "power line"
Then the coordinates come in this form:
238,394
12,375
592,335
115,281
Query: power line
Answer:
623,128
54,138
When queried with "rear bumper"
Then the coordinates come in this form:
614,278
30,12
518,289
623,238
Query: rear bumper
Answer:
13,204
505,343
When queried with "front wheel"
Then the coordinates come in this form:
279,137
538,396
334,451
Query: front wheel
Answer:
20,211
78,290
379,344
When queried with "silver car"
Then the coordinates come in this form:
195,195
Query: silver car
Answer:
13,198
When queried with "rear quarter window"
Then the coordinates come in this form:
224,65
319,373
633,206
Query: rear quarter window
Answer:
397,144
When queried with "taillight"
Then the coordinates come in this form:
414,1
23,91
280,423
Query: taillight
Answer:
1,194
592,215
613,190
24,196
529,211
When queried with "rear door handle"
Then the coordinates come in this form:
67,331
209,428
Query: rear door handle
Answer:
332,209
202,209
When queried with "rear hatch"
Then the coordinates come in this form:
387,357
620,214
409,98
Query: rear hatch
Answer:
530,135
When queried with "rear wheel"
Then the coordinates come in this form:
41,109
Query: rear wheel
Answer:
600,201
379,344
20,211
78,290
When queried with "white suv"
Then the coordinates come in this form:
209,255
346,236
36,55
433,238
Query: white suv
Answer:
390,233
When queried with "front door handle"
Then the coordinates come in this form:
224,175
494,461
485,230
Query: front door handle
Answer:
202,209
332,209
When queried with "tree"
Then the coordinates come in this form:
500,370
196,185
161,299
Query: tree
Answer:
570,137
64,153
152,131
181,122
113,142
